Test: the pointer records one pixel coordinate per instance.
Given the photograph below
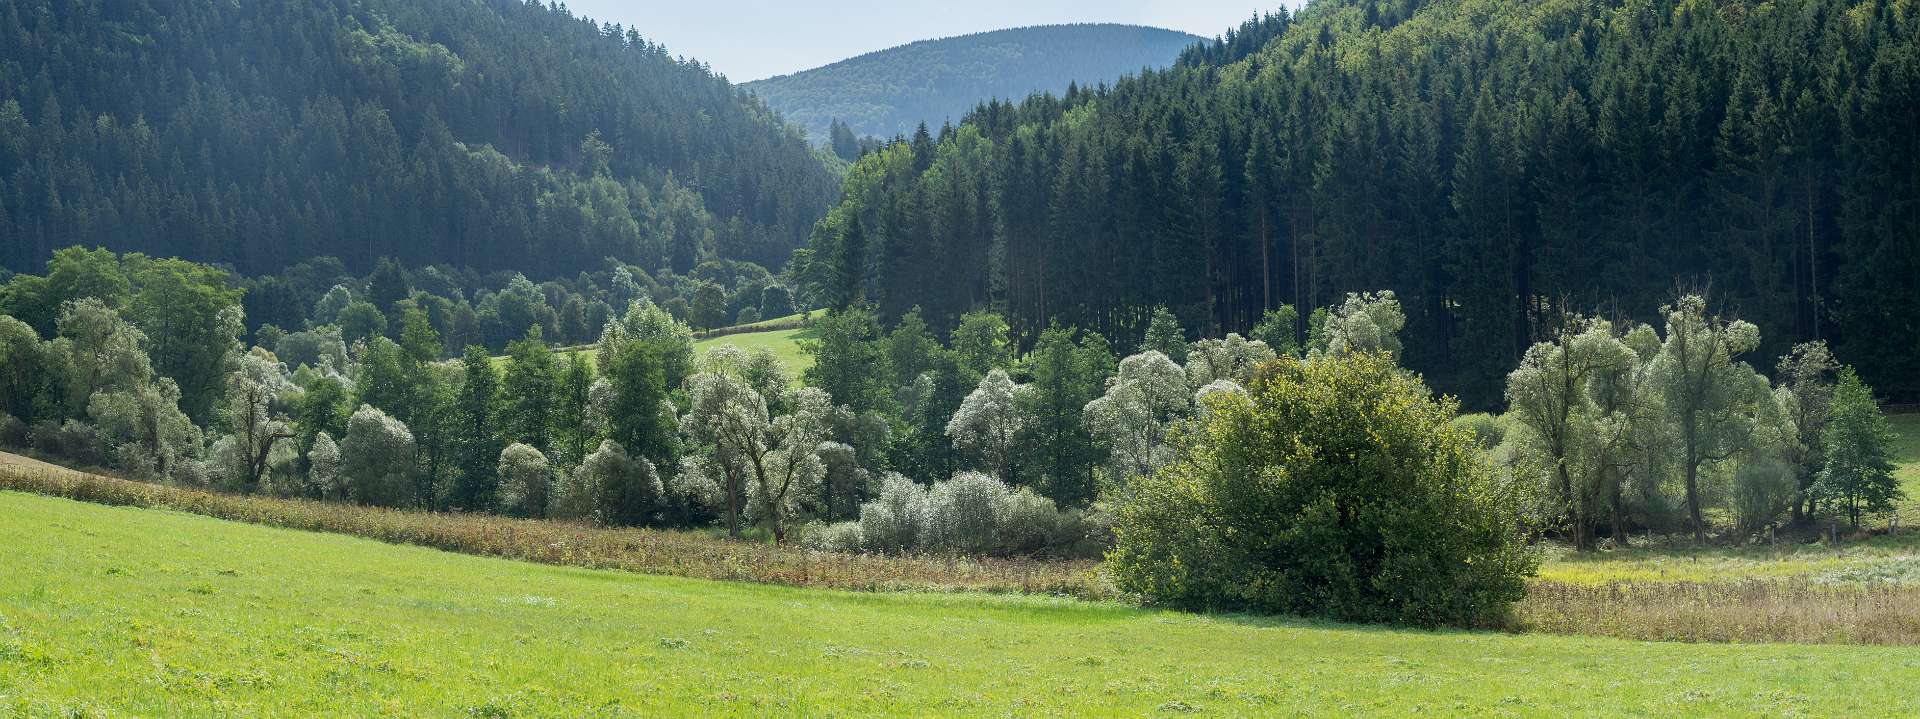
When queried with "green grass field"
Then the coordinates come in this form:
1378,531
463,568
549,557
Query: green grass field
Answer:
117,611
784,343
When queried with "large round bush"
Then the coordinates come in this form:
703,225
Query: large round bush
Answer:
1336,487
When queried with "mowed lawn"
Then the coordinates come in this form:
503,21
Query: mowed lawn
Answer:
118,611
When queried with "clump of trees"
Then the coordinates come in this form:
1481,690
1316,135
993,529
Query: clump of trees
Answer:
1625,426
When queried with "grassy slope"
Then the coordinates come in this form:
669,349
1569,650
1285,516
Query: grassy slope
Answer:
157,613
784,343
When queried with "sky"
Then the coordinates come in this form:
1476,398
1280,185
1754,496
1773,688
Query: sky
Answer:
754,39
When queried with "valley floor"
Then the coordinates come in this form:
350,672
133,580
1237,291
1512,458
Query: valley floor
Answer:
120,611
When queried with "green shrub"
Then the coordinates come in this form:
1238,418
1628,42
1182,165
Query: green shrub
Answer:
1488,430
1337,488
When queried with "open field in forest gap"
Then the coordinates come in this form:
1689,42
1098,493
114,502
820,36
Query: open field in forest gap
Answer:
160,613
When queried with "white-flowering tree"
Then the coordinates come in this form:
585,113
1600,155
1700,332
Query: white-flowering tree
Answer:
895,520
526,481
1148,395
376,459
1233,359
1710,396
987,423
1366,322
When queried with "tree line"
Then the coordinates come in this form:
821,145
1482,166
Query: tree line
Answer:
1185,462
505,134
1499,166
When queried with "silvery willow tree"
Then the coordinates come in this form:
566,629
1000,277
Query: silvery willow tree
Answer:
1148,395
526,481
1564,395
376,459
760,464
254,388
1711,398
988,421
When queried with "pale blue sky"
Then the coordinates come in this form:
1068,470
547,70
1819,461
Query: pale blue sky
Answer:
753,39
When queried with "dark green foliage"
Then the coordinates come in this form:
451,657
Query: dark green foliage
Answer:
323,408
850,363
1280,329
887,93
1338,489
573,432
192,321
530,391
418,338
262,133
361,321
1858,476
981,343
1495,164
640,418
776,301
1165,336
1057,455
476,440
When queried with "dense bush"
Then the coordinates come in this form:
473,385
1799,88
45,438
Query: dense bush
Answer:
1337,487
973,514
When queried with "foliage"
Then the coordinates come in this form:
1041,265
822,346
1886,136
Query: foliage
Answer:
526,482
988,421
1337,488
388,129
1144,400
1858,475
620,489
1710,397
886,93
1496,165
376,459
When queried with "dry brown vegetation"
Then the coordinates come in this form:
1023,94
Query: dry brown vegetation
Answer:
1747,611
684,554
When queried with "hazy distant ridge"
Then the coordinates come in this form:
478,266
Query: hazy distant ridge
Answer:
888,92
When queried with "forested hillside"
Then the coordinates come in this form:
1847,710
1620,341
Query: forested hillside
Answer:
1497,164
492,134
888,93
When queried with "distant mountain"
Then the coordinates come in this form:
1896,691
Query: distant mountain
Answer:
889,92
496,134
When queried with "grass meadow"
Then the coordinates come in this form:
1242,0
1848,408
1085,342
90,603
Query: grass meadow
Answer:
115,611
